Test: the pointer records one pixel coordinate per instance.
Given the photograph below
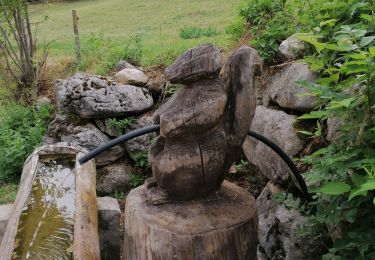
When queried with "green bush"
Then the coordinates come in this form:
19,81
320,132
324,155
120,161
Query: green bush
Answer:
21,130
343,174
101,54
195,32
269,22
340,35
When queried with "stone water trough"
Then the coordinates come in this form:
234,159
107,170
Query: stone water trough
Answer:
55,214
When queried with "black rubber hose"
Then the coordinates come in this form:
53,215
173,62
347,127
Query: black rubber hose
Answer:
121,139
287,160
154,128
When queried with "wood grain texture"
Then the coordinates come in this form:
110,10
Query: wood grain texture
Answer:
203,126
86,238
86,234
221,226
202,62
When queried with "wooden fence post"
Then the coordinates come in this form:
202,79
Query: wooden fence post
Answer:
76,34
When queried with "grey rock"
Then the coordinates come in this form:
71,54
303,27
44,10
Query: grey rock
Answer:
109,228
43,100
114,177
204,61
123,64
140,144
57,126
278,127
89,137
131,77
98,97
333,126
277,230
291,48
284,92
5,211
46,140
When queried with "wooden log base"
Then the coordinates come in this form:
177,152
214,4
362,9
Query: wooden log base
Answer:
221,226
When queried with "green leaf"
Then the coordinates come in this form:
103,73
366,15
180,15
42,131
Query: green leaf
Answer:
369,185
314,115
342,103
305,133
357,192
366,41
359,56
334,188
372,51
328,22
373,201
358,179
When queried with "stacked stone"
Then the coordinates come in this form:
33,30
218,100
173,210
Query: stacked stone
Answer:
280,101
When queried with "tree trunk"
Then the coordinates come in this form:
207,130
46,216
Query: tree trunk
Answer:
222,226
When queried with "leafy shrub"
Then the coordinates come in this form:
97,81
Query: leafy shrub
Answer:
21,130
269,22
343,173
101,54
340,36
195,32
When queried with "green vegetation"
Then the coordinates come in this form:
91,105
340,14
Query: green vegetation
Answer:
100,54
340,37
141,159
136,180
156,22
121,124
270,22
119,195
342,174
195,33
21,130
8,192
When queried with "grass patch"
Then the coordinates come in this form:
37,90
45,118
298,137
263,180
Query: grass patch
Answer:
8,192
192,32
157,22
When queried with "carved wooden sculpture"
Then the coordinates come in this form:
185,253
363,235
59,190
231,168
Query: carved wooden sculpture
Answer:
203,126
177,214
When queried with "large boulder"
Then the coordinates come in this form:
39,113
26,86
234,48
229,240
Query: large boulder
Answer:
89,137
112,178
98,97
277,230
202,62
286,93
291,48
131,76
278,127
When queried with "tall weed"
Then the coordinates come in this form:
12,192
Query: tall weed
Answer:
21,130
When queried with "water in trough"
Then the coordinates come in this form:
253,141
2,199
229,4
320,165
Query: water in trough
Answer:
46,224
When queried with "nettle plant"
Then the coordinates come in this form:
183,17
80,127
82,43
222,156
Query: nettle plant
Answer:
343,173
